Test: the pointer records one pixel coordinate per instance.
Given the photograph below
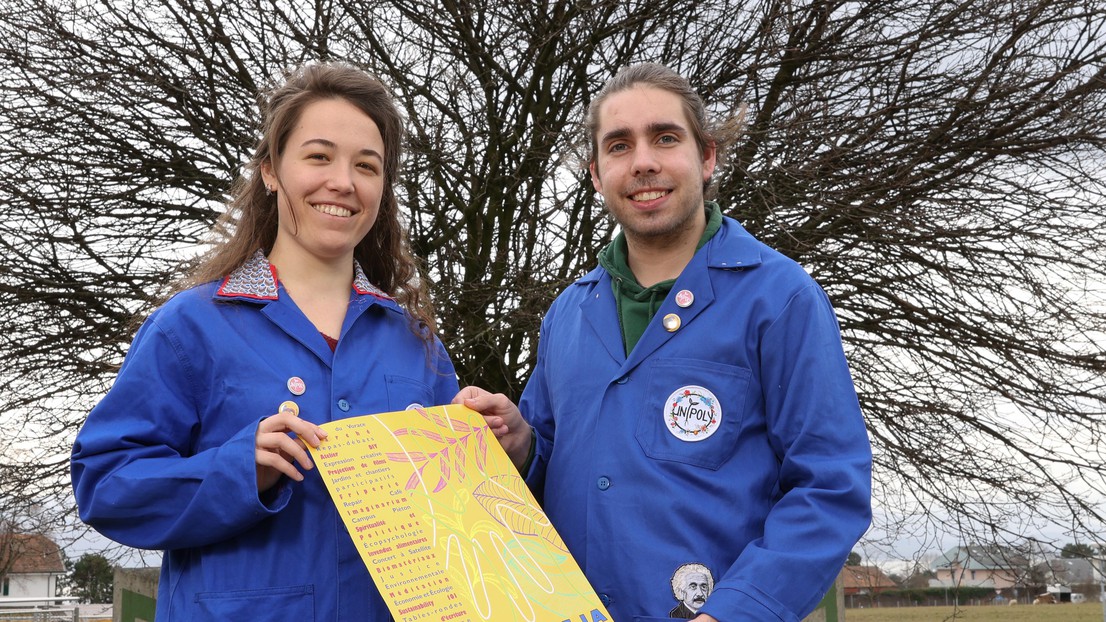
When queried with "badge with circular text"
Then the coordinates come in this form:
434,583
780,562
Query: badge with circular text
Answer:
692,413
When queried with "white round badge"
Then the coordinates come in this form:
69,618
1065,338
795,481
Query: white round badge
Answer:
692,413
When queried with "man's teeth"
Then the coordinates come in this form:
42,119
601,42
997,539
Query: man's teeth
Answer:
333,210
648,196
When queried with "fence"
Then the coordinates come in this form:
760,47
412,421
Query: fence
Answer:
58,609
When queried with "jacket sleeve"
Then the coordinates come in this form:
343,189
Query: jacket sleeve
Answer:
135,475
818,434
537,409
444,374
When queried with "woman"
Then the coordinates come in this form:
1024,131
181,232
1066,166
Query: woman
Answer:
310,312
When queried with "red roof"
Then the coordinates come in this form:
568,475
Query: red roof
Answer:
865,578
30,554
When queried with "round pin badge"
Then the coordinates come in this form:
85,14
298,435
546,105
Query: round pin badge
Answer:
684,298
692,413
290,406
415,406
671,322
296,385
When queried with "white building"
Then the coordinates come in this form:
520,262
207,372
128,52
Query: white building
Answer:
34,564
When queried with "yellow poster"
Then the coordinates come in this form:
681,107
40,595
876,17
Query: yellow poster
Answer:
445,524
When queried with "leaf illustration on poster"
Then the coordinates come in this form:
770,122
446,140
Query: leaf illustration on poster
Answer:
453,454
505,498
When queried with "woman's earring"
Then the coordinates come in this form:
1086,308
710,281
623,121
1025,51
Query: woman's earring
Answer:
268,191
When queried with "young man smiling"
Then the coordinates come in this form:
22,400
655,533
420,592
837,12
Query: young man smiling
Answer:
691,402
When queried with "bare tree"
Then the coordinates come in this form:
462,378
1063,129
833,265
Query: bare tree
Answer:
937,166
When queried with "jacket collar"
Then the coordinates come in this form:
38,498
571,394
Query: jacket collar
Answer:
732,248
257,280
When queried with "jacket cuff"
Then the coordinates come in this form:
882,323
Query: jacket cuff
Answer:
530,456
745,603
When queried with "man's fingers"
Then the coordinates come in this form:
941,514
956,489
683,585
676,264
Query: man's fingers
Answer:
466,394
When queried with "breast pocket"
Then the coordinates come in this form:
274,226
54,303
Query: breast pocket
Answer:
405,393
691,411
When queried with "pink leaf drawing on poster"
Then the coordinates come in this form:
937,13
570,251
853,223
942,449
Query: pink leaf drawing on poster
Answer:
481,452
448,463
504,496
414,456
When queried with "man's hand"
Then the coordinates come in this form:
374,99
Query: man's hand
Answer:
504,419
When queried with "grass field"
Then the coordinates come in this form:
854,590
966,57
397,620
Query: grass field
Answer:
1084,612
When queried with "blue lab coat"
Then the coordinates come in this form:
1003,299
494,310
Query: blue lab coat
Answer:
729,437
166,459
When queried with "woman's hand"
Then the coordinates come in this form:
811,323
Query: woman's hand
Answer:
276,452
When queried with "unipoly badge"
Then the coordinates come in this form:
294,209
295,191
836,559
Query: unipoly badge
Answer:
692,413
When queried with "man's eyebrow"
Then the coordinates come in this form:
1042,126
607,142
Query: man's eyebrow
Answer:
615,134
666,126
328,143
659,127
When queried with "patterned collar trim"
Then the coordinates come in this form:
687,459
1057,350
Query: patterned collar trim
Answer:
361,284
257,279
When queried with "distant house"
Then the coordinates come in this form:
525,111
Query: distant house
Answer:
1061,575
1068,572
34,564
864,580
979,566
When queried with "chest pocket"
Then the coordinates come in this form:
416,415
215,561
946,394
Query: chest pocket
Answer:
691,411
405,392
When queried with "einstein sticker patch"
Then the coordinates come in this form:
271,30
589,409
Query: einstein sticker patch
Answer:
692,413
691,585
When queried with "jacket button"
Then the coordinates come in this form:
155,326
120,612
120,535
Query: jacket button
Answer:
606,600
343,405
604,483
622,380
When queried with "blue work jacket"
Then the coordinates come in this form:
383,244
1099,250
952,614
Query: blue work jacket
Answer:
729,440
166,459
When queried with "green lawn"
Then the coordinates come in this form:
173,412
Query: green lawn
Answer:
1084,612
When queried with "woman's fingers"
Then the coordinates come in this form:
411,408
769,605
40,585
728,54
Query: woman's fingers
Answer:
278,451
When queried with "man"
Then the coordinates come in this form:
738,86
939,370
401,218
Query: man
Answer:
691,584
691,401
